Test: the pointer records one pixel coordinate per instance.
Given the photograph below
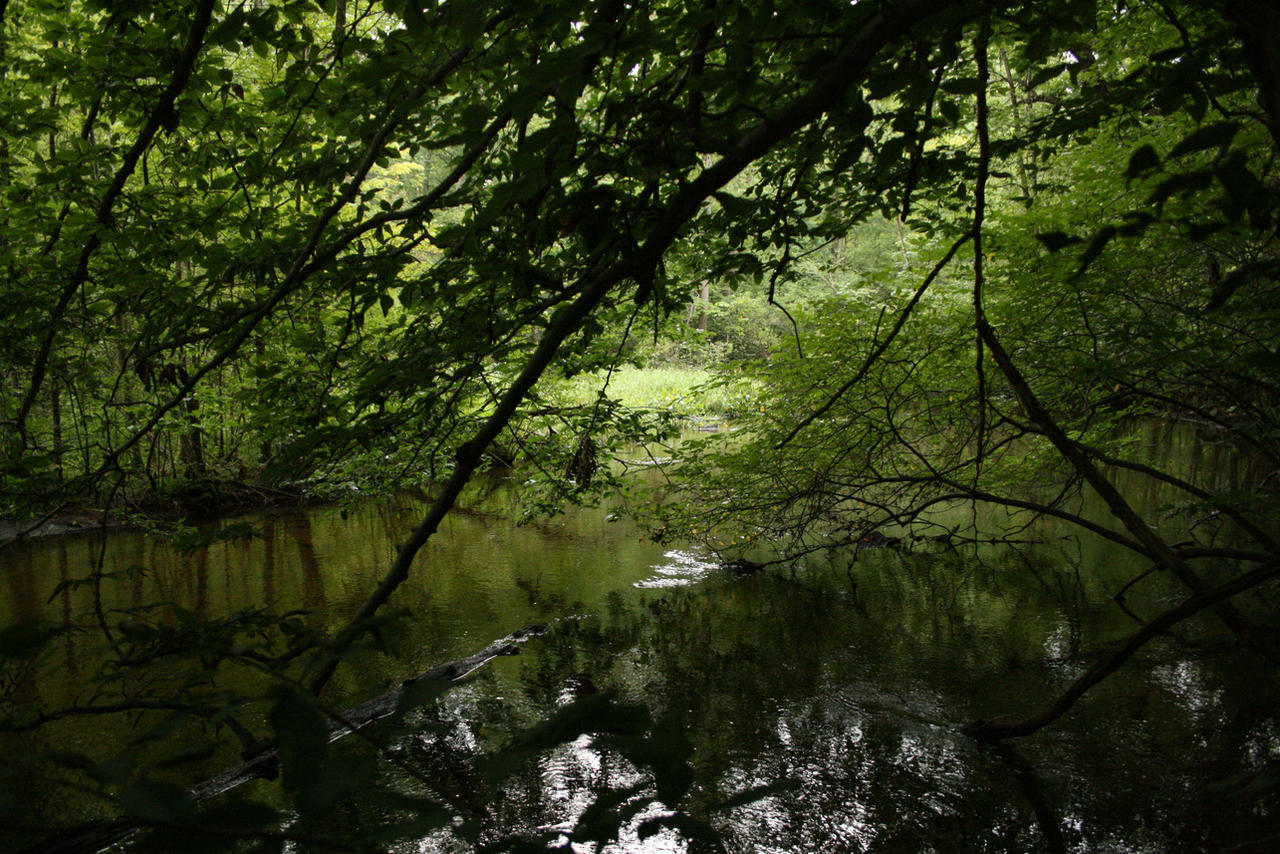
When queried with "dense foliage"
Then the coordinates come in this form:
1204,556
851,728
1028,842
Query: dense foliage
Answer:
346,243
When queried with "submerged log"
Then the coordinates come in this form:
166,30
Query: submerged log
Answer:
742,566
95,836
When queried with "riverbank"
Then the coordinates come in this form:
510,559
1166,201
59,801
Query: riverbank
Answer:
196,501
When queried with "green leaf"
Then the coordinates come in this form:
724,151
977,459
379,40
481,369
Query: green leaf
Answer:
1239,277
1144,160
1184,184
303,739
1136,223
1056,240
1046,74
735,207
1241,185
1217,135
1171,55
962,86
1099,243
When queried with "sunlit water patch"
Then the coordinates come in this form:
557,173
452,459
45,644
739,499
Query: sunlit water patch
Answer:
1186,681
680,568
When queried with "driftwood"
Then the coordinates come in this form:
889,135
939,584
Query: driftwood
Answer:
94,836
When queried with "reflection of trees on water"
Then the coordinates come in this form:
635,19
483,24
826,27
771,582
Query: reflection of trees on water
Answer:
200,571
70,661
851,715
840,686
312,578
18,682
268,566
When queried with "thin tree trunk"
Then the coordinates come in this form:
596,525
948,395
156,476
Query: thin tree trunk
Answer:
55,404
1019,126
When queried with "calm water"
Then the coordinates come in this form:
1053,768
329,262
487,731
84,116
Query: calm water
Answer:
835,691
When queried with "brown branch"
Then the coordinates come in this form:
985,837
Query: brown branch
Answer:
832,82
1153,546
979,212
879,349
993,730
469,455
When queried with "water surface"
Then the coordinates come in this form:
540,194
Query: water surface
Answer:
834,691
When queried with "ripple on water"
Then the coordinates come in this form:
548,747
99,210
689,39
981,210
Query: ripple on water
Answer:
679,568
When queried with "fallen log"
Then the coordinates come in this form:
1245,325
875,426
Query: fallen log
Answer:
95,836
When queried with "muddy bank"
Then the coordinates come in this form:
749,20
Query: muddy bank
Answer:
198,501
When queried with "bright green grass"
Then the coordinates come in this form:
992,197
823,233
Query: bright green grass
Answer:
683,391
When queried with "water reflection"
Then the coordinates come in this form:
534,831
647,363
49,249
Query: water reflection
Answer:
834,694
313,597
841,709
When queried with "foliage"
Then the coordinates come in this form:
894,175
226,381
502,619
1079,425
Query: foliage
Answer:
344,242
686,392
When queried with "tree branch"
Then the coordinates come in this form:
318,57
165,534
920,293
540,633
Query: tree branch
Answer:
992,730
832,83
162,115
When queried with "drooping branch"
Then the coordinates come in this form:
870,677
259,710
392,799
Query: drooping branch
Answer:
879,349
979,213
1155,547
831,84
468,458
992,730
1262,537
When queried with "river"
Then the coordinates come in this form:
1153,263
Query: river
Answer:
831,695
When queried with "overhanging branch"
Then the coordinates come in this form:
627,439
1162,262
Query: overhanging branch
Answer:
993,730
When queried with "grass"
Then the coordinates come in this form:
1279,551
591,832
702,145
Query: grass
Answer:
686,392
